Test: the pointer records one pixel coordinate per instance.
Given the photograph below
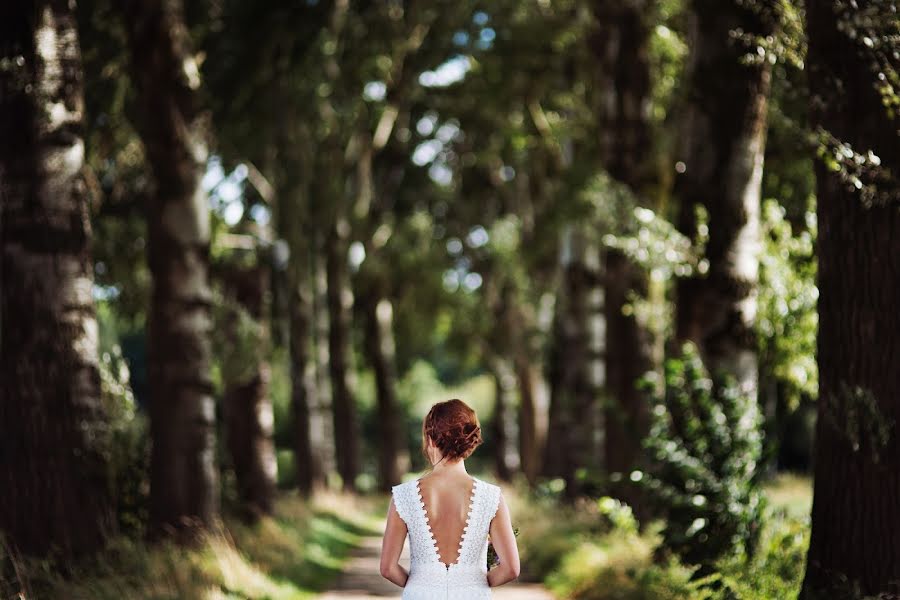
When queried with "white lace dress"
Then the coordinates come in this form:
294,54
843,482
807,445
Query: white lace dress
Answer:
429,578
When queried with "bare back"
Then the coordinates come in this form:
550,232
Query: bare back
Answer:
448,501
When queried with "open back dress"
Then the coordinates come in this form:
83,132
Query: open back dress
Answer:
431,579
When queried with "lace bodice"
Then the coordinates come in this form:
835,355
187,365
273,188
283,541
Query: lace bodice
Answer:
429,578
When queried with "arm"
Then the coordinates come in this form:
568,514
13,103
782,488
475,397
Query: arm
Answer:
504,541
392,546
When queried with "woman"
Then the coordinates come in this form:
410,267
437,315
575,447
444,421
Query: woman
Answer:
448,515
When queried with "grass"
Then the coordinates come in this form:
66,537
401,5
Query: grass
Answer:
290,556
790,493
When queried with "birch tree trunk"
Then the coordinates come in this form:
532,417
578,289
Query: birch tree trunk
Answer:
720,169
183,476
579,371
53,469
506,460
380,348
855,517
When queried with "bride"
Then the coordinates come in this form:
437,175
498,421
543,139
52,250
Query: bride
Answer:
448,516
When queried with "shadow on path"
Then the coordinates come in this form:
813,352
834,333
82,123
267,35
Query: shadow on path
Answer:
361,579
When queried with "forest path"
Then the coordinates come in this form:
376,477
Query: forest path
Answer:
361,578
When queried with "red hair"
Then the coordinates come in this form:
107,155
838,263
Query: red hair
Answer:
453,428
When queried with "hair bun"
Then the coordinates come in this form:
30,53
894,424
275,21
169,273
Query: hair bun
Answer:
454,429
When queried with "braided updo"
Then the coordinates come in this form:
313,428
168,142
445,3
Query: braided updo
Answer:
453,428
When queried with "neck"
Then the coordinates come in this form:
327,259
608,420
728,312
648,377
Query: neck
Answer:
454,467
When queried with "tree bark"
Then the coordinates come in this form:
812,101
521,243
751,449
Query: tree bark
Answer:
53,468
621,44
322,413
579,371
379,343
247,405
293,222
532,416
346,433
183,476
855,516
310,472
720,169
503,425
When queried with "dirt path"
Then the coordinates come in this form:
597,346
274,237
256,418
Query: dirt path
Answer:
361,579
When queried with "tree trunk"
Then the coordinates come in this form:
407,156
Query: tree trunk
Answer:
247,406
322,413
310,471
621,45
720,169
53,473
855,517
579,371
628,357
293,221
346,432
532,416
183,477
380,349
503,424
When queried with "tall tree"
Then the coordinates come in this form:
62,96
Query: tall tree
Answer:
339,302
52,463
247,404
853,78
719,169
183,476
264,63
577,369
621,45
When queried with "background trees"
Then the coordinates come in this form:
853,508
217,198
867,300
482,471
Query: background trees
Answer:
312,220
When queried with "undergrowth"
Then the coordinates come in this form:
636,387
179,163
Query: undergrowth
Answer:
595,551
289,556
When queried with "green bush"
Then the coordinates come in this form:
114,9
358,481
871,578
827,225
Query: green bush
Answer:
126,441
775,571
704,447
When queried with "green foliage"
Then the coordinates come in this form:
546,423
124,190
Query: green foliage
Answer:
860,171
619,567
872,31
127,443
704,446
237,340
775,570
645,236
594,551
787,320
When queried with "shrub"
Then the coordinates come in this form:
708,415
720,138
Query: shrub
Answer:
126,441
775,571
704,447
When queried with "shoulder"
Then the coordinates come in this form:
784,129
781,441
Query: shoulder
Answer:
487,485
492,494
403,491
405,495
